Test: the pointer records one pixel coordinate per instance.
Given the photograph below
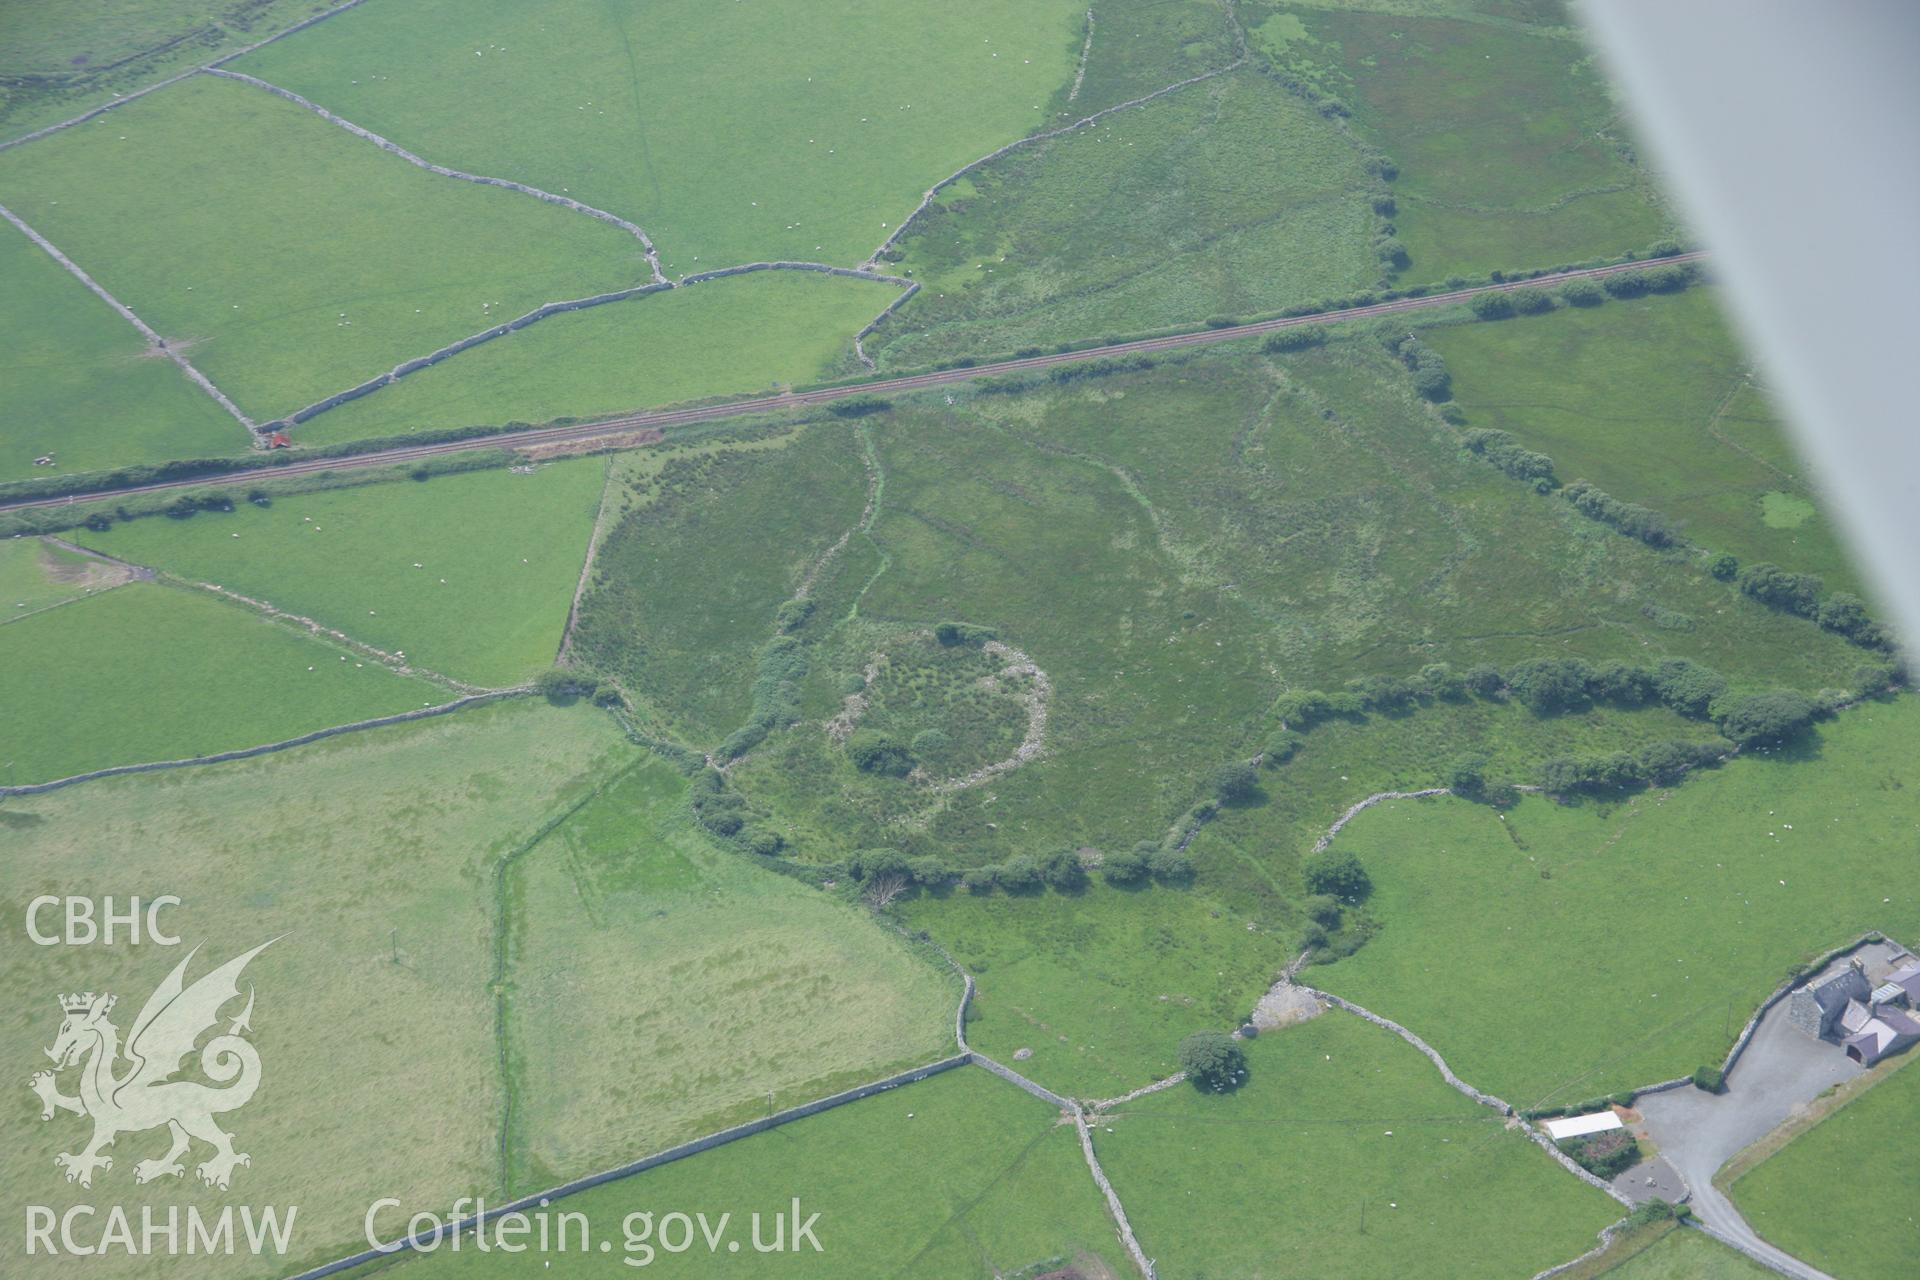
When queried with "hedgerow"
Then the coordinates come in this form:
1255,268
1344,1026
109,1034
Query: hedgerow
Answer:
1506,453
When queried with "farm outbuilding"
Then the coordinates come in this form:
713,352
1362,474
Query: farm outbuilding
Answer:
1881,1032
1581,1126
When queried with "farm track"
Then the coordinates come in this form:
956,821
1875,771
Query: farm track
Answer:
789,401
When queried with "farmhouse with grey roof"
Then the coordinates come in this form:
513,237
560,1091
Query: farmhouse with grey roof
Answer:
1869,1017
1817,1007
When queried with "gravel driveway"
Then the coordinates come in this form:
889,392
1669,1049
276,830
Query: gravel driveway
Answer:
1781,1071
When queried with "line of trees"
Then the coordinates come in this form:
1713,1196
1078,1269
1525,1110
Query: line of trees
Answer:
1506,453
1062,870
1552,686
1801,594
1629,518
1431,377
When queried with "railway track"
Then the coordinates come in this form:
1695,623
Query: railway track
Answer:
826,395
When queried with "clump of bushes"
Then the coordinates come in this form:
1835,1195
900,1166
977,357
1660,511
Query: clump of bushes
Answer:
1308,707
1629,518
716,809
776,695
1871,682
1666,619
858,406
875,752
1800,593
1467,777
1430,375
1583,293
1438,680
1064,871
1615,771
1170,865
1280,748
793,615
1020,874
1234,782
1336,874
1126,866
1651,1211
1548,685
956,633
1101,368
1778,589
1213,1061
1506,453
1687,686
1531,301
561,684
1777,715
1492,306
1298,338
1604,1155
1709,1079
1666,762
1383,693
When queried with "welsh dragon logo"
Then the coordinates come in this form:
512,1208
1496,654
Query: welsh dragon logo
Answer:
142,1096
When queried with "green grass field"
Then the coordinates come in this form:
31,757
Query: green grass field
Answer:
736,133
663,988
371,854
36,574
498,555
960,1175
290,258
1344,1155
81,384
1506,141
61,60
1101,985
1683,909
753,333
1636,396
1230,197
150,672
1823,1196
1678,1254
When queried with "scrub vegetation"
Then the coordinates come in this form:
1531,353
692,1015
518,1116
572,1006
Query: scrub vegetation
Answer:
1506,149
